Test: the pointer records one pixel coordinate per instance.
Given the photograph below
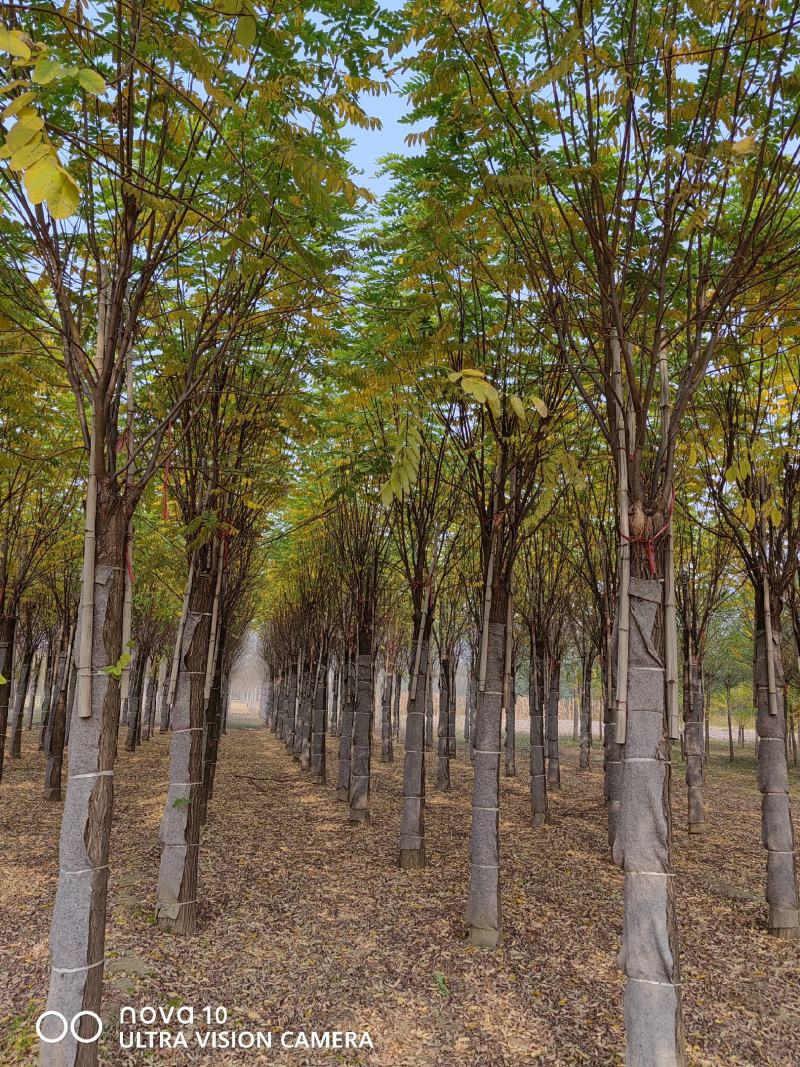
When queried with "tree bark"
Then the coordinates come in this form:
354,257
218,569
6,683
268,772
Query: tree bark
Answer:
412,825
429,705
509,704
23,681
387,749
57,730
612,750
335,701
319,724
443,749
303,741
136,679
176,909
730,724
346,735
362,725
8,630
77,935
536,705
51,679
484,911
213,721
553,750
777,832
694,714
398,683
586,711
642,846
290,720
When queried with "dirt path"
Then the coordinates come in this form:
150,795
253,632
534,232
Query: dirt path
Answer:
306,923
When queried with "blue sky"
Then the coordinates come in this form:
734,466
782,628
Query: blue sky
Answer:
370,145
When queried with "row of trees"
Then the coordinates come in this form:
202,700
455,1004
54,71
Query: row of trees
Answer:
543,397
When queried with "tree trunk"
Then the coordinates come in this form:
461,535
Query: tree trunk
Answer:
136,680
553,750
586,711
335,701
484,912
290,721
469,703
176,909
693,714
213,720
164,700
412,825
387,749
303,740
72,687
429,705
777,833
19,703
451,714
642,846
346,736
319,724
8,630
77,934
362,725
50,683
58,722
38,669
443,752
150,701
536,705
510,704
612,750
398,683
730,724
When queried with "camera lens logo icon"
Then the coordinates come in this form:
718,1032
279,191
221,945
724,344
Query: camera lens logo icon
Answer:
51,1032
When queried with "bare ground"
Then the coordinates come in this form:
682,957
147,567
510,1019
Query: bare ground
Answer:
306,923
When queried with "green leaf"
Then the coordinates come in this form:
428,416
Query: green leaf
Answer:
246,31
441,984
3,679
180,802
91,81
115,670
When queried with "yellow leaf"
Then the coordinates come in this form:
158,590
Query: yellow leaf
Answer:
64,202
19,134
540,405
29,154
518,408
17,104
742,147
42,180
13,44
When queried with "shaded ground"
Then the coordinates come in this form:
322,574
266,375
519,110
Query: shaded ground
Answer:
306,923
